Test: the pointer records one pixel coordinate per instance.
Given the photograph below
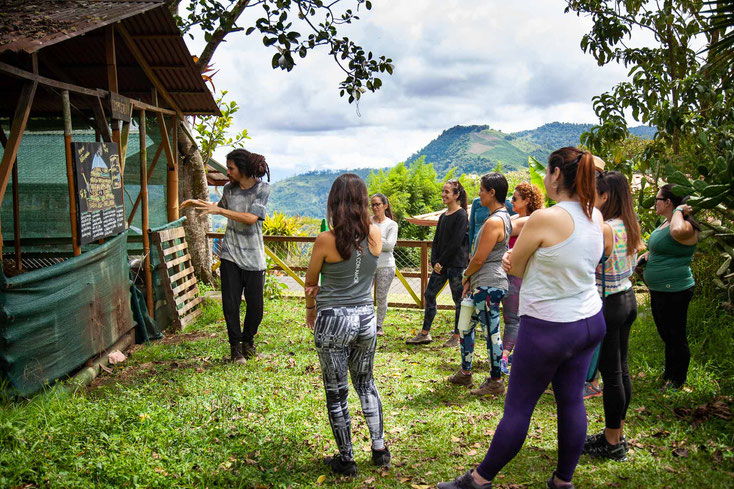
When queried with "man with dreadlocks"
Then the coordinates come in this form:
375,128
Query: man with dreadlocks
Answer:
243,254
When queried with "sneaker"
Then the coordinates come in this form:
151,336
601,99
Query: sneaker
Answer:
381,458
591,439
490,387
505,365
452,342
551,484
235,353
599,447
466,481
340,466
249,350
419,339
591,391
460,378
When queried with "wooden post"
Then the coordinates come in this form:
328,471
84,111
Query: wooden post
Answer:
66,108
146,224
150,174
16,218
424,272
16,205
171,174
111,57
172,180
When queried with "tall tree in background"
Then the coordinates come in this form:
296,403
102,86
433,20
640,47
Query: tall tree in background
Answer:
280,22
681,83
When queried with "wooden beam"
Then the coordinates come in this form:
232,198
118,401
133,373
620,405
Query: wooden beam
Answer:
66,107
20,119
100,121
150,173
171,174
111,58
140,58
146,224
124,138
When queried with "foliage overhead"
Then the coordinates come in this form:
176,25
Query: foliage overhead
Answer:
211,131
292,28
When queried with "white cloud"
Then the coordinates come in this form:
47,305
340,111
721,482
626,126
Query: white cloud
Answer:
512,66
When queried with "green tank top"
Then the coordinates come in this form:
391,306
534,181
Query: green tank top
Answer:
669,263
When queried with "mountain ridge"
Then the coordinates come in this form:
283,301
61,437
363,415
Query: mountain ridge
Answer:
474,149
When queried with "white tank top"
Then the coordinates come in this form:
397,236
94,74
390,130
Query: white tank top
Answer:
559,283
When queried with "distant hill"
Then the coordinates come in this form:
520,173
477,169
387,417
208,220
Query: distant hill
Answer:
470,149
306,194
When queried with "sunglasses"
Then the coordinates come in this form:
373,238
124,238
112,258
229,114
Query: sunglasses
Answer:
660,198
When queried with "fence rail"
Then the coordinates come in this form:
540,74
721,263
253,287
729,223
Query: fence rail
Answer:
290,255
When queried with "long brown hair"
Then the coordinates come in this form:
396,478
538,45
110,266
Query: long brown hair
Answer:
619,205
347,214
578,174
532,194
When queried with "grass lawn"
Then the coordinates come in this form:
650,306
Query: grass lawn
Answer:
177,415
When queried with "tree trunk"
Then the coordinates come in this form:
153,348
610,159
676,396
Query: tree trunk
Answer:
192,176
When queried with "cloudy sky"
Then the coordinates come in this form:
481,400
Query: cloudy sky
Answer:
511,65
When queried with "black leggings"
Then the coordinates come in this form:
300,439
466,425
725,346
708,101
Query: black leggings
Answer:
620,311
670,311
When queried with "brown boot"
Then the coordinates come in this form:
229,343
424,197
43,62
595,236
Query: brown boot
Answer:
490,387
249,350
460,378
235,353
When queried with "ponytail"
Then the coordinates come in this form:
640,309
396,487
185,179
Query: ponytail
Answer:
459,190
578,174
585,183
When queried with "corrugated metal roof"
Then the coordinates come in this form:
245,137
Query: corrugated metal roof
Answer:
68,37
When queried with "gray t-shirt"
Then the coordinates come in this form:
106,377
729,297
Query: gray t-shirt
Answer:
243,243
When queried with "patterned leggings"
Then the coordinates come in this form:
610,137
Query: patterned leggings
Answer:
487,312
383,279
345,340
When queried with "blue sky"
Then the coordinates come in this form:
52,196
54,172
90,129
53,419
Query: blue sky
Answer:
511,65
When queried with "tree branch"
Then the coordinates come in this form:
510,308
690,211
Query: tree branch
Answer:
226,25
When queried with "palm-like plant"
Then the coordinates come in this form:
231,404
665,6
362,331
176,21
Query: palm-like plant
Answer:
721,32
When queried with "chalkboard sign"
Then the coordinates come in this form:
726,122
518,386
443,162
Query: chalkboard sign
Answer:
99,202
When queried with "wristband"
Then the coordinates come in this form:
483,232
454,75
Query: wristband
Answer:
312,307
678,209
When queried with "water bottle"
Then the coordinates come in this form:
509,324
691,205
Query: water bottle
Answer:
467,309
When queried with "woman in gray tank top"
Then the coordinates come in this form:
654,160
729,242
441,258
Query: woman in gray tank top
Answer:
485,282
342,316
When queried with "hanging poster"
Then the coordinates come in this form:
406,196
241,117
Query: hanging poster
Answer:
100,208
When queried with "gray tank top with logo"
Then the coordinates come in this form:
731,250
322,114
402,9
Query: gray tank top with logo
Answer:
348,283
491,274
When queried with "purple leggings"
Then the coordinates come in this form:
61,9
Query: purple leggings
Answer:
546,352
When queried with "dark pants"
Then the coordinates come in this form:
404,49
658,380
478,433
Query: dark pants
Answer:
435,282
670,311
234,281
546,352
620,311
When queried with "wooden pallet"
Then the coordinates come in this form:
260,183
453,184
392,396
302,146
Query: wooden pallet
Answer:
177,274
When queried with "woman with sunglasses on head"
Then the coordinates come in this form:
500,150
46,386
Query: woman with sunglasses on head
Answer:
382,218
621,243
561,320
449,256
526,199
669,278
342,316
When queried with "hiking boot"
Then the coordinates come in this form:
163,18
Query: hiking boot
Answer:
551,484
249,350
598,446
466,481
419,339
490,387
505,365
591,391
235,353
380,332
452,342
381,458
342,467
460,378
